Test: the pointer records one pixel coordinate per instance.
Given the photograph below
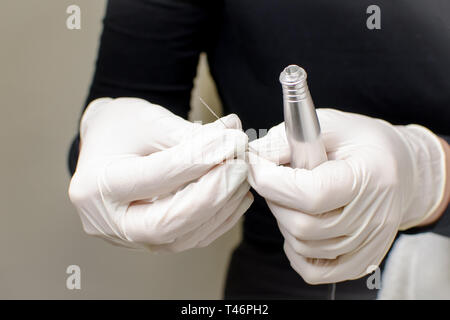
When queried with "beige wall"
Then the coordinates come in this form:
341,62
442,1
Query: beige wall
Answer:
45,71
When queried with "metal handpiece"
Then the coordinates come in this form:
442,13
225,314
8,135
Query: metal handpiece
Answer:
302,125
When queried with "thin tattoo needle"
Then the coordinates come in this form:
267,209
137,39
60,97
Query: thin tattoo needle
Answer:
212,111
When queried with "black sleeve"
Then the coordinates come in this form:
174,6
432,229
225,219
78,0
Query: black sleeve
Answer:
149,49
442,226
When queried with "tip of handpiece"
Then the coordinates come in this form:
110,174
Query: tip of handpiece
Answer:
292,74
292,70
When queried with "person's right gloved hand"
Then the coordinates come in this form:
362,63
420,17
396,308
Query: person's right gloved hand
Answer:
148,178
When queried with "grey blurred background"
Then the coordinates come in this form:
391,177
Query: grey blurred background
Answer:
46,70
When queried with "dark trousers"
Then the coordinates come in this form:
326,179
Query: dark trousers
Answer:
255,273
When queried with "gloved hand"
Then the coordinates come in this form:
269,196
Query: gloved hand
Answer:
148,178
341,218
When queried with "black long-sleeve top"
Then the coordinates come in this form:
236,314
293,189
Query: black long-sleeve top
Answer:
400,73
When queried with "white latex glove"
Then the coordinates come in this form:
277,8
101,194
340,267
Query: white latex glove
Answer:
342,217
148,178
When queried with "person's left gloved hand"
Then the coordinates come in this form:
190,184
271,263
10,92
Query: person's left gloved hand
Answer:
342,217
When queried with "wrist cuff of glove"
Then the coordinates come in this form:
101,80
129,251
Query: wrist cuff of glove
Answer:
430,174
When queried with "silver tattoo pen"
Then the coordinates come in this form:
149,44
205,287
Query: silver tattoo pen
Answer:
302,125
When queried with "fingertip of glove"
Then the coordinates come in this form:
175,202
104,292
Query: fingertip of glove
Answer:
238,165
231,121
93,106
247,201
257,160
274,146
236,139
237,169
